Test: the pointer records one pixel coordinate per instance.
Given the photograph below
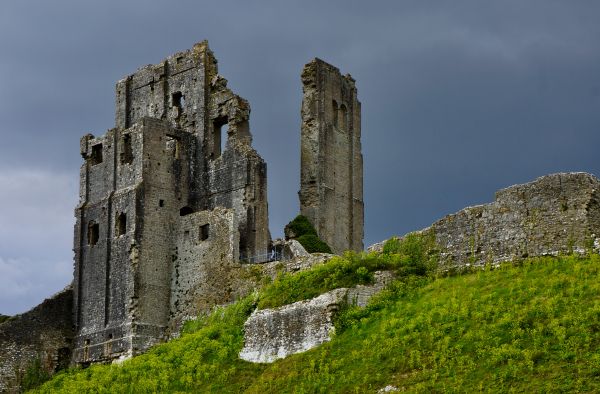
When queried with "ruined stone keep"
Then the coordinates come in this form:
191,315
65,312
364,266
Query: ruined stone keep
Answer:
331,170
149,188
173,209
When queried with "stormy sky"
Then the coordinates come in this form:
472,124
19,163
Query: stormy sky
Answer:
459,99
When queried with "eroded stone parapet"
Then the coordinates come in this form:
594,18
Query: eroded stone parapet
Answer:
331,177
555,214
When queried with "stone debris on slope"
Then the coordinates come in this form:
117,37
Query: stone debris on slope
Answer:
272,334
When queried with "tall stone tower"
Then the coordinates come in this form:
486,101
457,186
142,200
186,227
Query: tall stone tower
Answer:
166,198
331,178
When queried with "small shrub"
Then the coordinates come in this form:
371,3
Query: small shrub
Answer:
414,254
303,231
35,375
300,226
313,244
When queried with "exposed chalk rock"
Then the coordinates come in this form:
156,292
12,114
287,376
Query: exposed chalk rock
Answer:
271,334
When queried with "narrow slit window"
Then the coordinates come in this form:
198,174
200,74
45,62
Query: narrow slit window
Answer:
108,345
334,110
126,149
220,130
86,349
161,203
96,157
343,118
204,232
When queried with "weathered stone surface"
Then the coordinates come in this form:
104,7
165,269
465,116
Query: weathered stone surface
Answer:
271,334
558,213
331,178
43,333
169,203
361,294
289,249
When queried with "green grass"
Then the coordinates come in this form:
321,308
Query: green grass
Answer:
534,327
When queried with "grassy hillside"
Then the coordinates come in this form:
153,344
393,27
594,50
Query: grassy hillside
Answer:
533,327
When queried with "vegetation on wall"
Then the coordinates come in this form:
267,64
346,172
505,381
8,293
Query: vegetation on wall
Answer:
303,231
35,374
4,318
529,327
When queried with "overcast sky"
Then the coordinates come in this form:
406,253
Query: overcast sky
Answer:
459,99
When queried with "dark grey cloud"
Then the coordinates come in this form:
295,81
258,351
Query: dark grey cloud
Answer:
459,99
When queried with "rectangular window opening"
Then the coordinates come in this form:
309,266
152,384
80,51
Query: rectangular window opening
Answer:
178,100
204,232
121,224
96,157
93,233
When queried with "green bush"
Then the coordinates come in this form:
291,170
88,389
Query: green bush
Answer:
313,244
299,226
35,375
414,254
303,231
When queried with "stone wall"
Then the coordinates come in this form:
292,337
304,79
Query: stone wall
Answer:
44,333
204,264
558,213
331,177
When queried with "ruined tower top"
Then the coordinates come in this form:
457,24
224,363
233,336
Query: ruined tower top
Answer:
331,179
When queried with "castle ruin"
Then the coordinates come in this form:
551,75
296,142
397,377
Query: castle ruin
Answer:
173,209
148,195
331,165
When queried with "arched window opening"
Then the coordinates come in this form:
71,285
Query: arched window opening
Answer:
185,211
219,136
